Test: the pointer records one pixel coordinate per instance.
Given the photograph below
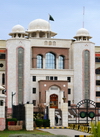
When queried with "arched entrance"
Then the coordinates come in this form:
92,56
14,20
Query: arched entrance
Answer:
54,101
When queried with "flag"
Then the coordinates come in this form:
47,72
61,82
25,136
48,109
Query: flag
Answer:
51,18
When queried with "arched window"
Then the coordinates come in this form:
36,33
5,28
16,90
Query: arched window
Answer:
50,61
39,61
61,62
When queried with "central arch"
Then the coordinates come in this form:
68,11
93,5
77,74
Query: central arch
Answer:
54,101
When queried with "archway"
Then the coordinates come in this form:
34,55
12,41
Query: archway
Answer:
54,101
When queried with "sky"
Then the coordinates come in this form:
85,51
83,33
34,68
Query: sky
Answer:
68,16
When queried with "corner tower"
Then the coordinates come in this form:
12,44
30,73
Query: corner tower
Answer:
84,66
18,67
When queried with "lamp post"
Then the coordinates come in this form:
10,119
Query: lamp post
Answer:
64,98
12,98
12,102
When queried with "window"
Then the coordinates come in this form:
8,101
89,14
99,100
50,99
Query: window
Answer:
55,78
19,35
97,59
50,61
39,61
3,79
97,104
34,78
34,90
61,62
97,71
42,34
97,82
1,65
47,77
69,91
34,34
97,94
34,102
54,43
3,91
1,102
69,79
2,56
69,103
51,78
50,43
45,43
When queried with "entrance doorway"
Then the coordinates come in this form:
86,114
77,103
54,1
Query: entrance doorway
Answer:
54,101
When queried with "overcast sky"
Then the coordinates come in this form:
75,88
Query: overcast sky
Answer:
68,16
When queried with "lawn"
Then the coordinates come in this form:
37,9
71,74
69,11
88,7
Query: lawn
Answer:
6,133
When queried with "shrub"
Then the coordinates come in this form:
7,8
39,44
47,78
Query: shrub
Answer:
12,119
95,128
42,122
46,123
39,122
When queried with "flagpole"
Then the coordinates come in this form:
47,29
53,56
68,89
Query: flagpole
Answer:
50,18
49,23
83,15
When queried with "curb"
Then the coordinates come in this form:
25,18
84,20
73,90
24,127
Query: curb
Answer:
51,127
83,136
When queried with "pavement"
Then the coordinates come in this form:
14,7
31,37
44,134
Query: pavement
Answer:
67,132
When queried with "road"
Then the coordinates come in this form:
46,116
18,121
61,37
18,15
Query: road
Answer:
68,132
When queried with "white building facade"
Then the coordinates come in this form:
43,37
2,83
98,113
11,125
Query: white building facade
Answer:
43,70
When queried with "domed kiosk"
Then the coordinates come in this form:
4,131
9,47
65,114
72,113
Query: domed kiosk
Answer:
82,35
18,31
40,28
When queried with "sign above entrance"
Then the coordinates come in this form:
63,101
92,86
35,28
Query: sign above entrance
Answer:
54,88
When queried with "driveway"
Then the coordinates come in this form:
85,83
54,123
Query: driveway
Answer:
67,132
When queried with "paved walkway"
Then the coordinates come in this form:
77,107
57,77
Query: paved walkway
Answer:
67,132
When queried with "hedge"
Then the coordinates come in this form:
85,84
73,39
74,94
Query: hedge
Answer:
42,122
11,119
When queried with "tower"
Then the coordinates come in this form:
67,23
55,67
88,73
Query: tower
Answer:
18,66
84,66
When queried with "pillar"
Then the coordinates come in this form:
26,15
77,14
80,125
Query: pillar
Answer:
52,116
64,114
2,112
29,117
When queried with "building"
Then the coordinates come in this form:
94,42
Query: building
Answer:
41,69
97,71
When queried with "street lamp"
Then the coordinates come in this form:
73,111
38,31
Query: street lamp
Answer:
12,98
64,98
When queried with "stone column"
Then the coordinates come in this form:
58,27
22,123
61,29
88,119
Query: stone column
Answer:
52,116
64,114
29,117
2,112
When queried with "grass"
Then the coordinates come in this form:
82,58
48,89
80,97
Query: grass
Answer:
6,133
